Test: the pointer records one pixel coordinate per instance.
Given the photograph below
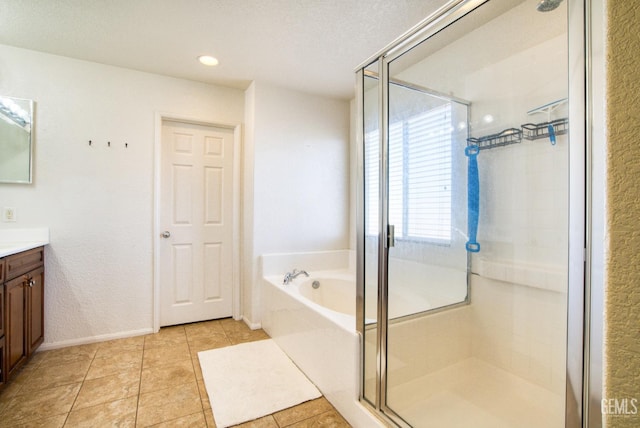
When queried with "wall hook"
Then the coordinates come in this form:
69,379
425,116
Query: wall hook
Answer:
126,145
89,142
108,143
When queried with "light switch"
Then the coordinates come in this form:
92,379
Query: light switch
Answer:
8,214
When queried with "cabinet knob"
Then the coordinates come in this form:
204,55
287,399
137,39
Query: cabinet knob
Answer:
165,234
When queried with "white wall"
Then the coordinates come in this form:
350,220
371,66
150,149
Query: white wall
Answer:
300,147
353,177
97,201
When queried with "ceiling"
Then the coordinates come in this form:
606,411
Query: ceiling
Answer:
307,45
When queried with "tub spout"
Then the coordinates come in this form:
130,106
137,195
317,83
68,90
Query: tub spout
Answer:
290,276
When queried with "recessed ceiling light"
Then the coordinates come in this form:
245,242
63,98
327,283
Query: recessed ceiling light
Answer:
208,60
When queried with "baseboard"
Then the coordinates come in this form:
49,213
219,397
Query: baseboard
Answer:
252,326
94,339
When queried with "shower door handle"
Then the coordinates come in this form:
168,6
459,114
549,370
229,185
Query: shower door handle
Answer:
391,236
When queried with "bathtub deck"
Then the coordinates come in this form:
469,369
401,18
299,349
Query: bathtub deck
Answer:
475,394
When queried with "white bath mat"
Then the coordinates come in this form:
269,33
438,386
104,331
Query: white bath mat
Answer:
251,380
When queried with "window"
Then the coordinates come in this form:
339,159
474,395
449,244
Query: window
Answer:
420,166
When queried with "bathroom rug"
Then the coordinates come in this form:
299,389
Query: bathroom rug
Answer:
252,380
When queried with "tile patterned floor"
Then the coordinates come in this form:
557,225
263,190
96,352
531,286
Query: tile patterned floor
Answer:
153,380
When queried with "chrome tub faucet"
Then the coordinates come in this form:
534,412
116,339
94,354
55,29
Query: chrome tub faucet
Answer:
290,276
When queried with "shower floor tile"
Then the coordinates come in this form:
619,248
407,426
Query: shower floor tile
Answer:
474,393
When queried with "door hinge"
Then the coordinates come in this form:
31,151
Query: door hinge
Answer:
391,237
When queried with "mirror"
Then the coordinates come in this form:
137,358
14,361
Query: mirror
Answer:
16,120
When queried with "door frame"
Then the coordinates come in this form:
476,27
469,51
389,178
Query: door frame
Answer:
236,217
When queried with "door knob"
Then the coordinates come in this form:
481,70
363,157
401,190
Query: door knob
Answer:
165,234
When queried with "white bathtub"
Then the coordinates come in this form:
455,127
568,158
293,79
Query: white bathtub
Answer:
333,292
335,297
318,331
316,327
414,288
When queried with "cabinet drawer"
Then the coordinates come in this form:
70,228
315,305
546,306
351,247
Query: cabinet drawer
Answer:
23,262
2,269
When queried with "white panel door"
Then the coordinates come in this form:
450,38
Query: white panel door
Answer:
196,209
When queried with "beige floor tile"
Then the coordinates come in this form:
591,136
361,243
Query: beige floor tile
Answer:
171,331
204,396
108,388
265,422
165,355
327,419
214,341
50,422
129,344
196,420
164,343
166,336
203,329
115,364
208,415
197,368
13,388
121,413
168,404
165,376
71,354
37,358
302,411
239,332
252,336
43,404
49,376
231,325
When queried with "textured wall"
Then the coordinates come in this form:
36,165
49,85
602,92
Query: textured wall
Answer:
300,144
97,200
622,305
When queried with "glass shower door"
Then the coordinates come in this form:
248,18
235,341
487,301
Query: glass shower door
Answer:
427,261
466,178
370,241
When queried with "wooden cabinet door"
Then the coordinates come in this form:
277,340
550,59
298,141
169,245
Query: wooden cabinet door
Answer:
3,377
1,311
35,309
16,349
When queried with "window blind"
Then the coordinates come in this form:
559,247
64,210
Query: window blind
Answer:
371,181
420,175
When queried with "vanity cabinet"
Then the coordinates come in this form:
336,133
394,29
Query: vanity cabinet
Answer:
23,307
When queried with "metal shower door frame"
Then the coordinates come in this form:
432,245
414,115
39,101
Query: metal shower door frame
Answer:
578,319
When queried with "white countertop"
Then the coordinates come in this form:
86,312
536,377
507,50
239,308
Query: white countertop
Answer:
13,241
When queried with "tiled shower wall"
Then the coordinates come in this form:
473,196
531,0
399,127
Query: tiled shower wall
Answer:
520,329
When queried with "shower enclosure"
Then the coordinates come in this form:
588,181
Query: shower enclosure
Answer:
468,276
